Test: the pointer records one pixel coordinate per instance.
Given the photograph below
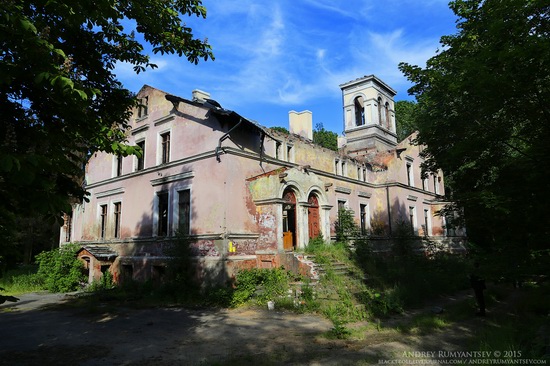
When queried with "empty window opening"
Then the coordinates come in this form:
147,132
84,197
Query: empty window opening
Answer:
380,119
127,272
277,150
158,274
409,174
388,119
103,219
143,108
363,217
289,153
426,223
359,111
118,165
162,214
412,219
165,158
141,159
184,211
117,213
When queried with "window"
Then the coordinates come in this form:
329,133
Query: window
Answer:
427,225
380,111
117,212
410,181
162,229
358,173
103,220
277,150
436,185
143,107
336,164
68,223
118,162
412,219
364,174
343,168
141,159
165,153
364,218
388,119
184,212
359,111
289,156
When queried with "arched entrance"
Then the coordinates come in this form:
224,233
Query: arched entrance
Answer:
313,217
289,220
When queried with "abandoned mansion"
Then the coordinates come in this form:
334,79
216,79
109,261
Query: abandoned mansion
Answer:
245,195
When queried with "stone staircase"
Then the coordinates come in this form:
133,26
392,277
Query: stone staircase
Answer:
316,270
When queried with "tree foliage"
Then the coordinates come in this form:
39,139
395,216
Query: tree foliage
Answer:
405,112
60,270
325,138
484,115
59,96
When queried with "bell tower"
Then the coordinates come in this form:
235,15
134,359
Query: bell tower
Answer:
369,116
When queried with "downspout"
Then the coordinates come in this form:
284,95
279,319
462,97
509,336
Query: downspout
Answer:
389,209
225,136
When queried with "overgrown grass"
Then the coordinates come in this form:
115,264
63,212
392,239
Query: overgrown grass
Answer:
21,280
521,328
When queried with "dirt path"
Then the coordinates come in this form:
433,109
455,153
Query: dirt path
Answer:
31,335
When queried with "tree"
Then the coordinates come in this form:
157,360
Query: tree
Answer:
405,111
484,116
324,138
280,130
59,97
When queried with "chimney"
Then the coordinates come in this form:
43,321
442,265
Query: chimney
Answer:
301,123
200,96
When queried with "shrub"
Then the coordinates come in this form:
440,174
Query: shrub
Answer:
346,227
261,283
60,270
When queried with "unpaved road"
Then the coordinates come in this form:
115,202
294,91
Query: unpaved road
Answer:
33,335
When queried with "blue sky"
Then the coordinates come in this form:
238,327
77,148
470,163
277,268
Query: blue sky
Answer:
281,55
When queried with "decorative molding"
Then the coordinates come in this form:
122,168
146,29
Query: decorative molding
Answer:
269,201
172,178
143,128
412,198
409,158
364,194
234,236
164,119
343,190
110,192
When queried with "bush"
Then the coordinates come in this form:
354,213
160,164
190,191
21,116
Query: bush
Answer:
60,270
261,283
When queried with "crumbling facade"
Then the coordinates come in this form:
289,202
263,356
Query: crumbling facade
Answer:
246,195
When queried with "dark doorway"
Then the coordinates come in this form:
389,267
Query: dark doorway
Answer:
289,220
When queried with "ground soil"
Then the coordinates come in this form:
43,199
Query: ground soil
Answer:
32,332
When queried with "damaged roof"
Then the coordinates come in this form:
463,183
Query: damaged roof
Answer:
100,252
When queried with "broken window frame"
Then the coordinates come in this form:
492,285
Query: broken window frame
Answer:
103,221
117,213
140,163
184,211
163,213
165,147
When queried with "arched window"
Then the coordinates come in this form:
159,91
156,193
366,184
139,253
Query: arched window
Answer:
388,119
359,111
380,119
